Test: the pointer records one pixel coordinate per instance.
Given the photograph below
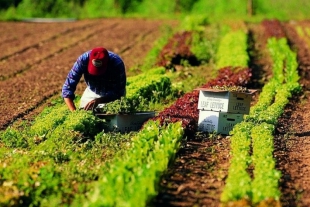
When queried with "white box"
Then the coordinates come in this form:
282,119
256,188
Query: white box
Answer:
126,122
219,122
225,101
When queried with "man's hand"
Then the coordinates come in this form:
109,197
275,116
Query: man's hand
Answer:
94,103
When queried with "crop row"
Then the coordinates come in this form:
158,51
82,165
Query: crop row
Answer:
255,133
131,180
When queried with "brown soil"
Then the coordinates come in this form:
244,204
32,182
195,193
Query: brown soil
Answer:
293,137
36,58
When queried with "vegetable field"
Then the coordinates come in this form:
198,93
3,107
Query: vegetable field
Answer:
52,157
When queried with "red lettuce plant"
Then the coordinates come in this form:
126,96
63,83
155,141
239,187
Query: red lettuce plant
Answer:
185,109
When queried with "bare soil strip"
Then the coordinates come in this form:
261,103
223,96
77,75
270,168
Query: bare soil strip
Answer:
17,37
29,56
198,175
292,148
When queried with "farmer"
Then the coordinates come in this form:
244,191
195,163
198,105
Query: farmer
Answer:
105,77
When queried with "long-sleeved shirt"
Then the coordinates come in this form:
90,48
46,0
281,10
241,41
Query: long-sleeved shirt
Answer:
111,85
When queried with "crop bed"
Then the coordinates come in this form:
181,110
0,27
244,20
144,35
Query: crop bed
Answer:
36,58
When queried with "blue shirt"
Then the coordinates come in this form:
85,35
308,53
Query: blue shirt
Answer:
112,84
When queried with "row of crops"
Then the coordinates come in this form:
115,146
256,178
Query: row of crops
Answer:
252,140
69,159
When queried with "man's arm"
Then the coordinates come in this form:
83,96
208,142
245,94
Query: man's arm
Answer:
70,104
73,79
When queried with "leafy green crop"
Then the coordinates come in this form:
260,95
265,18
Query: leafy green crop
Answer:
131,180
257,131
232,50
151,86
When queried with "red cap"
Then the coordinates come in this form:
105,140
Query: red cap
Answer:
98,61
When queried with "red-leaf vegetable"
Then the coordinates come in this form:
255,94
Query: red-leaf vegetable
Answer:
185,109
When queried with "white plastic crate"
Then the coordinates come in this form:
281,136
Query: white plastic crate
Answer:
126,122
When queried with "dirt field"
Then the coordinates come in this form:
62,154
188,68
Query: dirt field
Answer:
36,58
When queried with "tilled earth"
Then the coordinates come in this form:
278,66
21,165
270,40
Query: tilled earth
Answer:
36,57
